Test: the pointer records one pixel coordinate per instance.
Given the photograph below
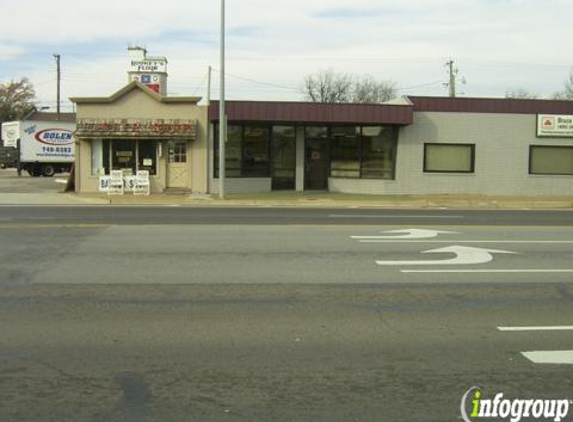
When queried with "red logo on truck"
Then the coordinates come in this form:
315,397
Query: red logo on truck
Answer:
55,137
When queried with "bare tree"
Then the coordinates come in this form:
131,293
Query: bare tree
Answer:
567,93
521,94
16,99
328,87
370,91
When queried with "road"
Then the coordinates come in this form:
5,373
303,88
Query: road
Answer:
180,314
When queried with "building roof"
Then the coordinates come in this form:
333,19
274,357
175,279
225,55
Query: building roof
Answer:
130,87
491,105
319,113
40,116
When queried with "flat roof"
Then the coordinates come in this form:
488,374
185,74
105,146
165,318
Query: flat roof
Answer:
491,105
318,113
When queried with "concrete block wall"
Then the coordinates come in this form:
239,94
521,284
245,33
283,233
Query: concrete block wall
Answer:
501,161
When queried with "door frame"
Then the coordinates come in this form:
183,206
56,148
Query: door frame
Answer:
307,163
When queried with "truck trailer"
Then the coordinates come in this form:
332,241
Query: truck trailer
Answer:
42,148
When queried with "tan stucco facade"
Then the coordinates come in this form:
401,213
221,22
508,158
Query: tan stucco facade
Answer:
136,103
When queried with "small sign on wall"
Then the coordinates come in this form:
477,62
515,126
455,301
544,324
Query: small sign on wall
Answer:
554,126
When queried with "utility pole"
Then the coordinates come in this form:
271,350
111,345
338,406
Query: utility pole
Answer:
222,113
452,83
58,57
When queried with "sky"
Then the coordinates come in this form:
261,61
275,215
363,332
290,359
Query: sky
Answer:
496,45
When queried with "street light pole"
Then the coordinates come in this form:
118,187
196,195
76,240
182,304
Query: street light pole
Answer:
222,114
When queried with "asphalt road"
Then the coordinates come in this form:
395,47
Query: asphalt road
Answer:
175,215
277,314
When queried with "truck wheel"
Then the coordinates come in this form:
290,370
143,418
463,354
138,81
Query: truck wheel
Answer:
48,170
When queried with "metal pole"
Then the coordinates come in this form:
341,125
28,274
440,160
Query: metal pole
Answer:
57,57
222,114
209,86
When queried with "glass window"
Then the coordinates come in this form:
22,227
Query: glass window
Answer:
256,151
123,156
233,153
246,151
283,156
147,156
97,158
345,152
379,146
551,160
449,158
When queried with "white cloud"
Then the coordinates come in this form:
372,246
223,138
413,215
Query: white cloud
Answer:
495,43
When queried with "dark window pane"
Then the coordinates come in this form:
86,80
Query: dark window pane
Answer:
256,151
379,144
345,152
233,151
283,153
123,156
106,155
147,156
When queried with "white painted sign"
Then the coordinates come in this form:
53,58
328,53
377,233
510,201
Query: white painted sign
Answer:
128,183
465,255
406,234
554,126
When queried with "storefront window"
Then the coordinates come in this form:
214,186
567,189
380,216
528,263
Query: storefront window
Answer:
123,156
283,156
256,151
126,155
246,151
379,144
345,152
97,158
147,156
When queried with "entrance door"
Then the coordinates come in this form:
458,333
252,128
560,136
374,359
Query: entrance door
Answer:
178,170
316,164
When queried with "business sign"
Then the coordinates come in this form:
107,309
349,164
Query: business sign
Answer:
128,183
554,126
136,128
149,65
55,137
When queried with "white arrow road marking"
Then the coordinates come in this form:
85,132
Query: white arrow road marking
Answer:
558,357
465,255
555,328
491,271
407,234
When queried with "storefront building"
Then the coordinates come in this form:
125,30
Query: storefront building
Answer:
410,146
139,129
417,145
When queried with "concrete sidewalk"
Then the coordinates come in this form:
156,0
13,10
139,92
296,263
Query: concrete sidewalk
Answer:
294,199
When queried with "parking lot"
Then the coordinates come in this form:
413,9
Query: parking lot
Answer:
10,182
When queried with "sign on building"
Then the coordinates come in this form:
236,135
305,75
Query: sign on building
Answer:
554,126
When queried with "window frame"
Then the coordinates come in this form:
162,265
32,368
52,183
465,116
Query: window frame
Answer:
472,148
532,147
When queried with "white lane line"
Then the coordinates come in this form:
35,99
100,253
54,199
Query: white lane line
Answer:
555,328
500,271
394,216
366,239
558,357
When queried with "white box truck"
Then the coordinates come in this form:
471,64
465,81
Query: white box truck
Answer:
43,148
